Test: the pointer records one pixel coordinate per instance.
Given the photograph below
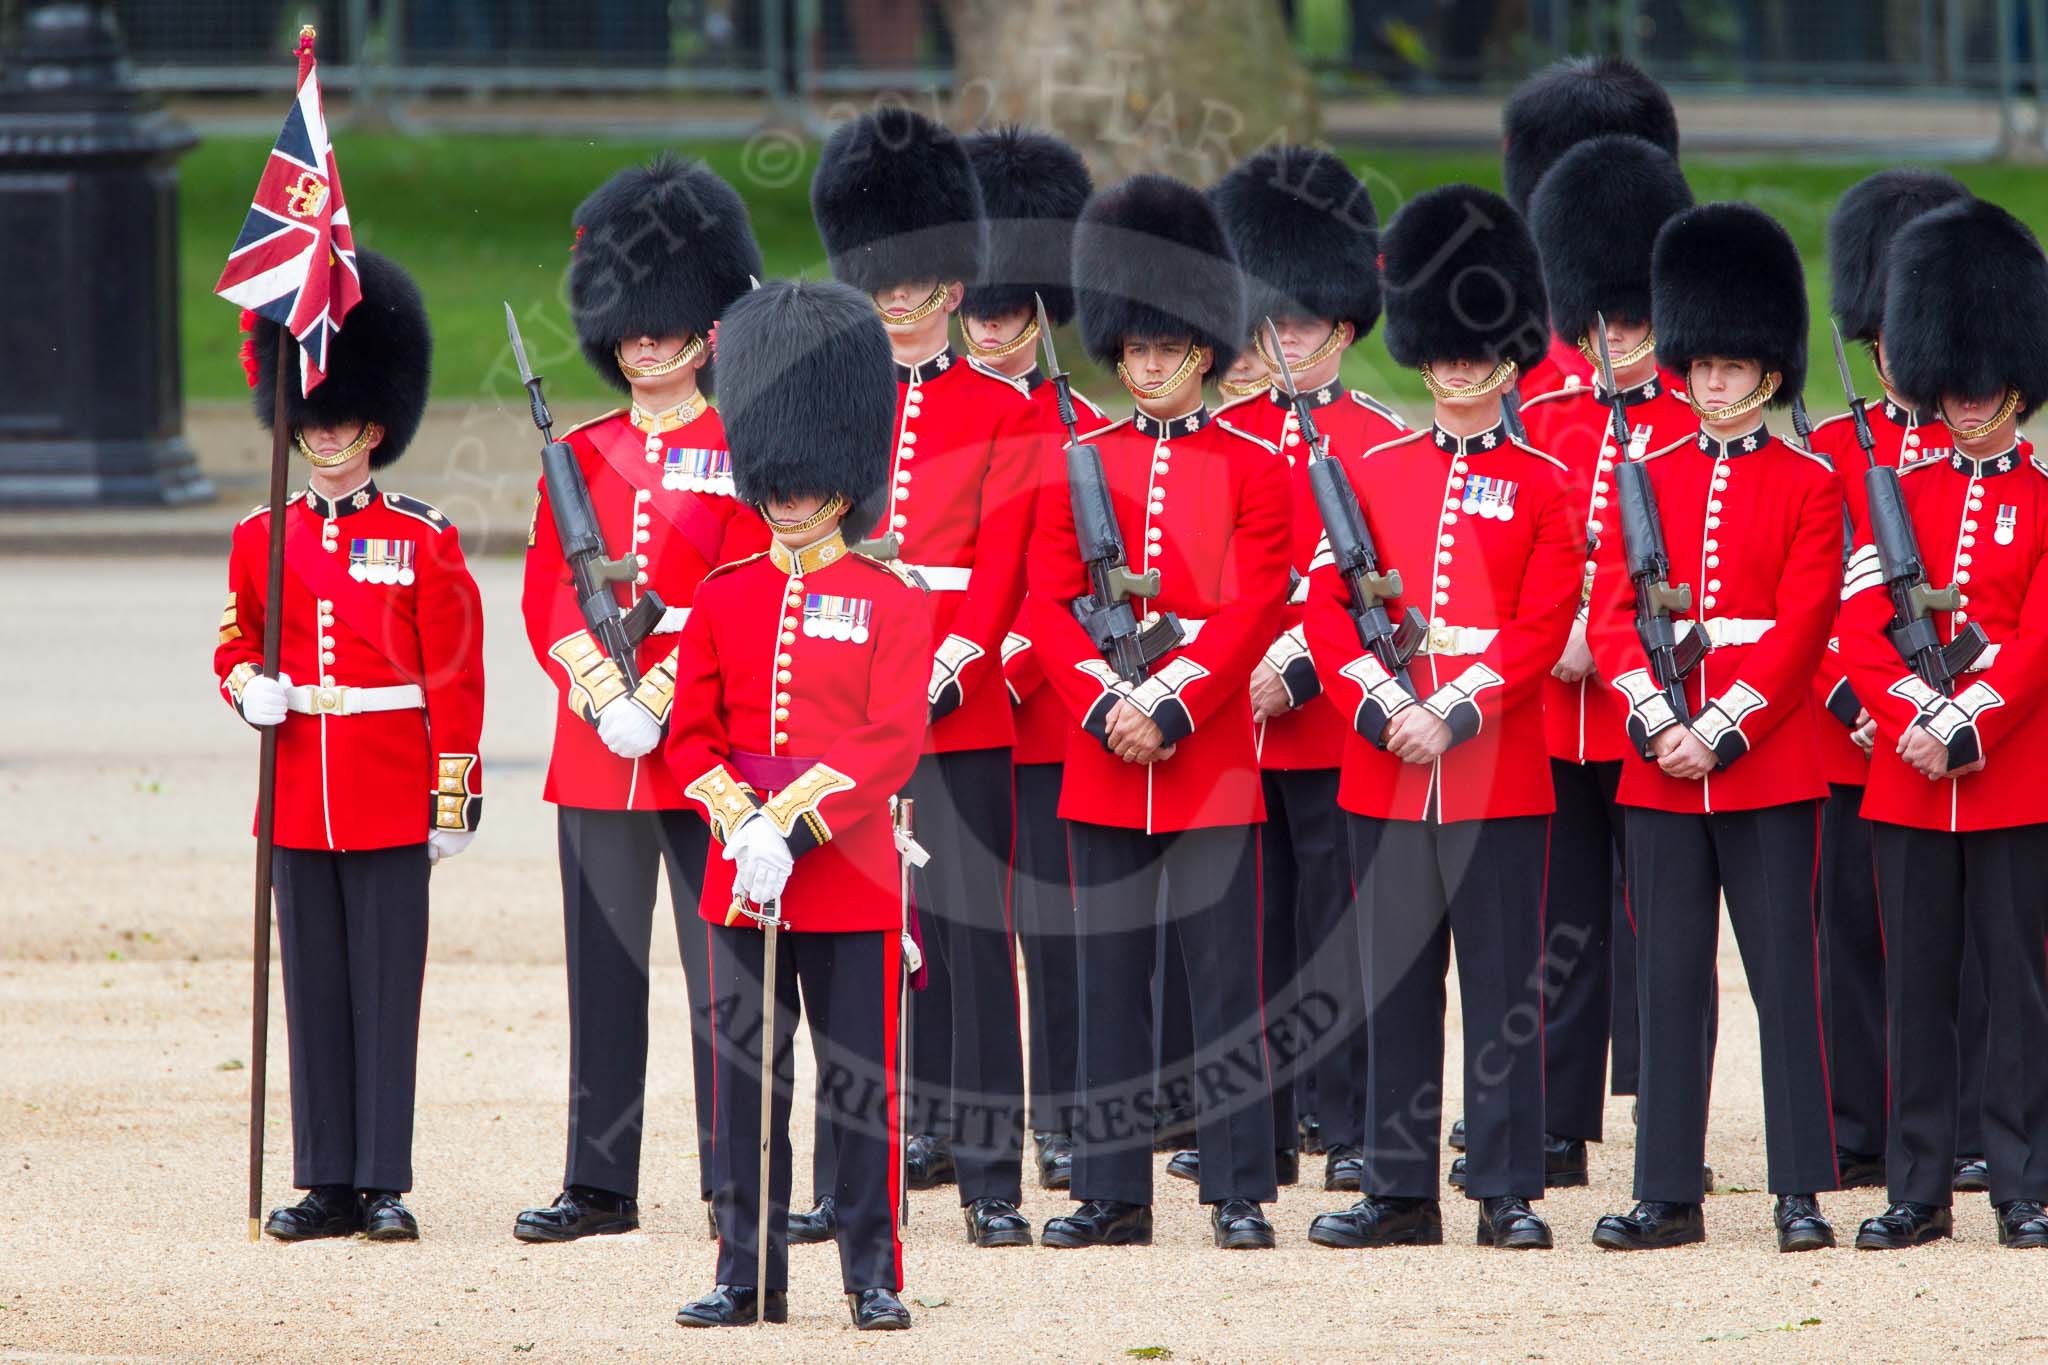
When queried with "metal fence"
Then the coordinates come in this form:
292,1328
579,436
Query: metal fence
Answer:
800,47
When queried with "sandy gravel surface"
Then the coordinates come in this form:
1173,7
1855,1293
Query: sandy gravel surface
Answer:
123,1015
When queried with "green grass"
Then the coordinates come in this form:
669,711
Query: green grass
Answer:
484,219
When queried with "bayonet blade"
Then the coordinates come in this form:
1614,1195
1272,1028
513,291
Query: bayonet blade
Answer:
518,346
1052,356
1606,358
1842,361
1280,358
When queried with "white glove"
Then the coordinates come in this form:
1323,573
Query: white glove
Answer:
627,728
762,859
263,699
446,843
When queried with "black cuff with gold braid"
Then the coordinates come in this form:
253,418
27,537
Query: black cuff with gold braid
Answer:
457,803
794,809
657,689
1842,704
1288,656
726,800
594,680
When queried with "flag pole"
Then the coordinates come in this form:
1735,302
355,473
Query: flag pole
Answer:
266,761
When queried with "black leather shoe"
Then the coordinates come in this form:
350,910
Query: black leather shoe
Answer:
1377,1222
1706,1177
1510,1224
877,1310
387,1219
929,1161
326,1211
581,1211
732,1305
1801,1225
1859,1170
1651,1226
808,1229
1240,1225
996,1223
1311,1129
1185,1164
1055,1161
1287,1165
1906,1225
1564,1164
2022,1223
1343,1169
1456,1141
1101,1223
1973,1175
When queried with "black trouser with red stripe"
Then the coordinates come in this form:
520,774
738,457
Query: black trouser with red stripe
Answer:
1044,901
1852,973
610,863
1424,888
1679,866
848,986
1211,887
1944,895
1582,907
1312,952
352,940
964,816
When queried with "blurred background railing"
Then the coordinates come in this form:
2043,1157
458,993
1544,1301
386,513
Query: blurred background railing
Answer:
801,47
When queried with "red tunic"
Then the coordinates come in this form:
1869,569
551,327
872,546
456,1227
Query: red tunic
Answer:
1564,366
962,479
666,497
1484,534
1311,735
1583,722
1042,723
1902,436
1205,505
1754,528
1982,526
376,595
800,692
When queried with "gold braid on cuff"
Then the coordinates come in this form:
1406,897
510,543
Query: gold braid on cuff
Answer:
1168,385
1635,354
1503,374
1010,347
690,352
1990,424
918,314
1741,407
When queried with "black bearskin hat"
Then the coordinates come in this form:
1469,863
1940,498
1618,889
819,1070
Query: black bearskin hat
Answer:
378,364
1569,101
660,250
1595,218
1860,231
1307,235
1151,260
1966,307
1032,187
1725,280
1462,281
810,396
896,200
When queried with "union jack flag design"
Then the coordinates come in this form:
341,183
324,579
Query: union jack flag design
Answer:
294,261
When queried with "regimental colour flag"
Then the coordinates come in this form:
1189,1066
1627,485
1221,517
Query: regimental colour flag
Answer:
295,260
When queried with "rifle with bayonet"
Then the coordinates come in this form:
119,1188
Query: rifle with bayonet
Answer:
1105,610
1511,414
617,632
1671,656
1357,559
1912,631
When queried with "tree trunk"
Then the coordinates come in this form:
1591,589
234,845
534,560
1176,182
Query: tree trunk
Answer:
1183,87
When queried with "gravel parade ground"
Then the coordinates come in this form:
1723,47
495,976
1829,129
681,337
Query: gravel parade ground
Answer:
124,998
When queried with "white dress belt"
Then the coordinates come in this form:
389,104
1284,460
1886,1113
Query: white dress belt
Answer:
1733,630
354,701
672,620
942,579
1453,640
1987,657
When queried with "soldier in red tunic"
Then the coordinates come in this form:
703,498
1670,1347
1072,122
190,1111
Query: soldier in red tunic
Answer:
1162,784
1726,797
1445,785
1307,235
900,212
799,711
1566,103
1032,187
1954,791
380,693
1595,217
1852,945
660,251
